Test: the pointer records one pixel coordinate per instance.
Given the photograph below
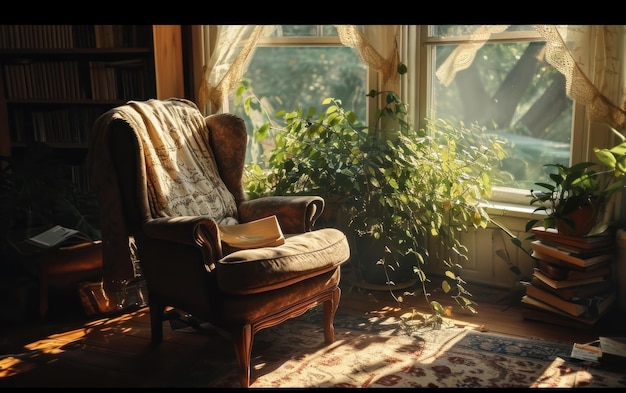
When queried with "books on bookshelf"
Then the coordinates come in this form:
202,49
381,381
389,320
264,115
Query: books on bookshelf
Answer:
46,93
264,232
567,256
113,80
70,36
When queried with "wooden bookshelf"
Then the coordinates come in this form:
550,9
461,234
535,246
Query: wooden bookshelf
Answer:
55,80
48,103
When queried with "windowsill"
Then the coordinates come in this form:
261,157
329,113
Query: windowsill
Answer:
512,217
510,209
510,202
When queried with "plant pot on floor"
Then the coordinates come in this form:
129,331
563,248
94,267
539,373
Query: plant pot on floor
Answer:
374,274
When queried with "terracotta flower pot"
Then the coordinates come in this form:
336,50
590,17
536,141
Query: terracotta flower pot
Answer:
580,221
369,252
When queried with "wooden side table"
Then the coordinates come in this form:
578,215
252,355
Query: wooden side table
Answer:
67,266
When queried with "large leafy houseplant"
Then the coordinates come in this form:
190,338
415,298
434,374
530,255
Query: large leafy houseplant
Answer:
410,191
575,200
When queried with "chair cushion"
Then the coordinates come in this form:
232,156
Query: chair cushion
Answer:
302,256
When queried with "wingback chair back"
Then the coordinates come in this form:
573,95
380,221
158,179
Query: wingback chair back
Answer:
166,177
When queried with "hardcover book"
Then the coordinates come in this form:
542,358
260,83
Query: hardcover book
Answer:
536,304
540,311
557,284
563,271
571,308
613,350
576,292
582,242
569,257
580,252
591,306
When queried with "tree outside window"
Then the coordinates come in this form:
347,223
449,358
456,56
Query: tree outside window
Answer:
510,90
297,68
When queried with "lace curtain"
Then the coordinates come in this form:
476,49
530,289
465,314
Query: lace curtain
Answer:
233,51
375,50
463,55
235,46
600,85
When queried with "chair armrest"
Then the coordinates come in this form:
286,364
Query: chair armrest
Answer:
296,214
199,231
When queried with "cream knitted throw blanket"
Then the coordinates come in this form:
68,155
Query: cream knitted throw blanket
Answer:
182,181
182,175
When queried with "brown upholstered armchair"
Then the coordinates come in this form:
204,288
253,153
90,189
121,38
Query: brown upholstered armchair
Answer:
165,177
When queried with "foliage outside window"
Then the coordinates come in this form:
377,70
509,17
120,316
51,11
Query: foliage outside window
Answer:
509,89
298,67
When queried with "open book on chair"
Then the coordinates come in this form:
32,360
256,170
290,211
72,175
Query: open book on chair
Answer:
264,232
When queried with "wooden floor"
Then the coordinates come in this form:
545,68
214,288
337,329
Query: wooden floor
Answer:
69,349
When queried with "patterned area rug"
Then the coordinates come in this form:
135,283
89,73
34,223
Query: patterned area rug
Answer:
377,353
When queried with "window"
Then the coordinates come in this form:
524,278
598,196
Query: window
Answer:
507,87
298,67
510,90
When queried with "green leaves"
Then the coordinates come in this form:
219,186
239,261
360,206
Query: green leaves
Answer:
402,185
584,183
402,69
614,158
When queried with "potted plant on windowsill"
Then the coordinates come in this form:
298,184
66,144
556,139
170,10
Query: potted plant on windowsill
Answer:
576,200
397,192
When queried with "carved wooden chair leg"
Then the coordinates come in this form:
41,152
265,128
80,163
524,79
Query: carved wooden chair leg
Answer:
330,308
243,348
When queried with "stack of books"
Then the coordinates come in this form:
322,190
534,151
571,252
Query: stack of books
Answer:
572,284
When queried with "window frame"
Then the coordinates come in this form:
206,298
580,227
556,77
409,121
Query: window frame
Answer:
319,41
583,136
414,47
314,41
